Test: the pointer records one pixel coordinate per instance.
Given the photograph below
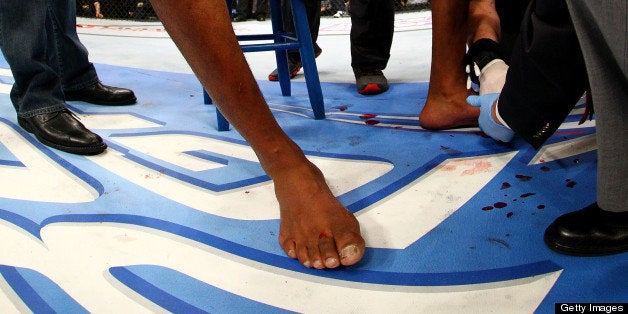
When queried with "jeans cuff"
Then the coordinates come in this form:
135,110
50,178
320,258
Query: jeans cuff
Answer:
43,110
88,78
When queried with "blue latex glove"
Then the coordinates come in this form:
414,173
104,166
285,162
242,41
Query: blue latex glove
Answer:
486,122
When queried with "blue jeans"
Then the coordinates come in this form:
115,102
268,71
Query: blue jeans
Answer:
39,41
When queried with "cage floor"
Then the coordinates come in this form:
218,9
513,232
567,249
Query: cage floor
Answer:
179,217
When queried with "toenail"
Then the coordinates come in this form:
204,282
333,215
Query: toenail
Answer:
291,253
318,264
331,262
307,264
348,251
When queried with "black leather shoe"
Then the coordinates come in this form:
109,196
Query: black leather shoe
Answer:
61,130
591,231
101,94
240,18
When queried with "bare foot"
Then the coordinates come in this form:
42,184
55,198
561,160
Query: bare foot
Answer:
315,228
448,112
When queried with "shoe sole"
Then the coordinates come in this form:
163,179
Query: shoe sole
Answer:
372,89
89,150
125,102
575,251
273,78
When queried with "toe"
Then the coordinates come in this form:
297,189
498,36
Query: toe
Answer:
328,252
289,247
351,249
314,256
350,255
303,256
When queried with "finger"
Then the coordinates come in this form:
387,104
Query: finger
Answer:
474,101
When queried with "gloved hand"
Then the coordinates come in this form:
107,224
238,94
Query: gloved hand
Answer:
486,122
493,77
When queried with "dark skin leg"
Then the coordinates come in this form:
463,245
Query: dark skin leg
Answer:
454,23
315,228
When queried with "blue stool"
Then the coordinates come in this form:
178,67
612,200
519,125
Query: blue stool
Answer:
281,42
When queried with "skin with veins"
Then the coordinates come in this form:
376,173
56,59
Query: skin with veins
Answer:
203,32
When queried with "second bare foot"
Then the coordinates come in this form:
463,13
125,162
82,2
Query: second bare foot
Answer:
315,228
448,112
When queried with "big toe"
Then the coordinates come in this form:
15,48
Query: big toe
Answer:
351,250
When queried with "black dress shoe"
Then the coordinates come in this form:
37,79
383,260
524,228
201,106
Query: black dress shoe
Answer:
591,231
61,130
240,18
101,94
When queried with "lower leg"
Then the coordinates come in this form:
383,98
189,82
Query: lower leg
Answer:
601,33
372,29
75,69
315,227
446,106
483,21
602,228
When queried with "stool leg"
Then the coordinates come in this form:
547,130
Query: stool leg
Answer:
280,55
206,99
307,58
223,124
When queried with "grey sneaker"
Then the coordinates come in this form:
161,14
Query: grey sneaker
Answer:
370,82
294,64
